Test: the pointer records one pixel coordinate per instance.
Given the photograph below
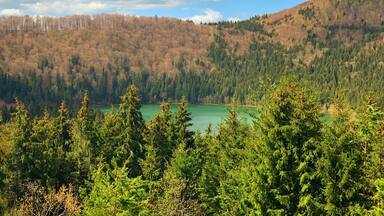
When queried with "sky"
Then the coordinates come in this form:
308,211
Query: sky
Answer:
199,11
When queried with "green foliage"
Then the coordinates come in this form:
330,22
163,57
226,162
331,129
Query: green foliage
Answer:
83,152
130,140
308,13
378,209
288,162
223,158
178,188
345,183
290,131
113,192
160,144
182,124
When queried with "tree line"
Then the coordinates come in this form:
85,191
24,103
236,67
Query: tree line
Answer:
287,162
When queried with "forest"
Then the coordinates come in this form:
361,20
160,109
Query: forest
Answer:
287,162
59,155
350,72
337,46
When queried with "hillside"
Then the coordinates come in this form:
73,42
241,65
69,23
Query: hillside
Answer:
344,20
143,43
169,58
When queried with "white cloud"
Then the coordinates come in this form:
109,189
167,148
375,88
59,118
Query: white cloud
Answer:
68,7
10,12
62,7
209,16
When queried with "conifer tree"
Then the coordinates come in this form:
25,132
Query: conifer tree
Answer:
44,167
84,151
63,127
109,137
178,187
290,130
182,124
154,163
160,143
167,125
342,167
224,155
113,192
370,126
62,142
132,126
19,161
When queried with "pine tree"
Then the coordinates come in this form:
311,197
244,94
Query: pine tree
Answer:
342,167
18,162
160,143
290,130
63,127
224,155
109,137
84,151
370,125
182,124
178,187
62,143
132,126
113,192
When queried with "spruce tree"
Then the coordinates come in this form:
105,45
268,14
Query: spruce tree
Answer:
160,143
63,127
289,130
109,137
370,128
113,192
182,125
223,158
131,137
178,189
62,142
342,167
19,161
84,152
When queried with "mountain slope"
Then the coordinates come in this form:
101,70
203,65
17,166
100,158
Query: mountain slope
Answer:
336,45
344,20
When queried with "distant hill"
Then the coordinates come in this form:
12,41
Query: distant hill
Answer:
157,44
345,20
104,41
107,52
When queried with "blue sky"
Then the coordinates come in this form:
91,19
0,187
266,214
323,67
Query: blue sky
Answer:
196,10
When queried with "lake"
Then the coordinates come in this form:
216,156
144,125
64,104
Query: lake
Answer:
202,115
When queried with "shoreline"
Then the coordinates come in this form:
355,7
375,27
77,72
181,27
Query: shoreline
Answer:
201,104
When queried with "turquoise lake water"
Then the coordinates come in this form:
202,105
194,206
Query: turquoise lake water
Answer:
202,115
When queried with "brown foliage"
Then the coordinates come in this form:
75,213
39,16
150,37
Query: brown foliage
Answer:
41,201
104,41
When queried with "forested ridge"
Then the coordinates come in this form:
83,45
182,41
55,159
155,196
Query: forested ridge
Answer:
288,162
336,45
